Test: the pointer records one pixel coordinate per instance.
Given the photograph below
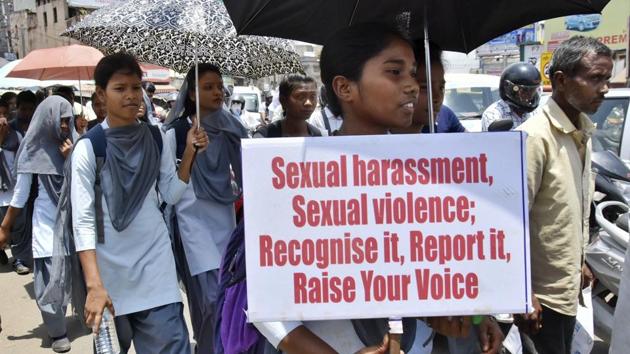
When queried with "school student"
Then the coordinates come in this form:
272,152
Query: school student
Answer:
369,71
298,97
40,161
118,170
205,215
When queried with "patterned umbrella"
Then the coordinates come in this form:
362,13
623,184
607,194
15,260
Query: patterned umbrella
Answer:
171,32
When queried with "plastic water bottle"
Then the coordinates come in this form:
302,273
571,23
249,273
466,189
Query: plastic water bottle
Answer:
106,340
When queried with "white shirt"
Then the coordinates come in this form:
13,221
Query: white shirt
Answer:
317,120
339,334
501,110
44,214
205,226
136,264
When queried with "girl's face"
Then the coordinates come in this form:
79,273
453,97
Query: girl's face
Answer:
64,125
301,103
387,93
80,123
210,91
122,96
421,115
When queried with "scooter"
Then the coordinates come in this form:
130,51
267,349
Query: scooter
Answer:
608,237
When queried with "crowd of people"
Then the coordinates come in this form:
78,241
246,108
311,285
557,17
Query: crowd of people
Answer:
136,203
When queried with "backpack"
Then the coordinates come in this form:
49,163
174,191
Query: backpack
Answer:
233,335
97,137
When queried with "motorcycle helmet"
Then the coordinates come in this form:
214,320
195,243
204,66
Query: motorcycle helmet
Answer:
520,86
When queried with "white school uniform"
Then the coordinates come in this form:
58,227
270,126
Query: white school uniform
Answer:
44,214
136,264
339,334
205,226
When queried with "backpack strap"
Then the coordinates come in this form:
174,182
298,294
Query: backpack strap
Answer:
181,130
157,136
97,137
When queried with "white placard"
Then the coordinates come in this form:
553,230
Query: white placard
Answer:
388,225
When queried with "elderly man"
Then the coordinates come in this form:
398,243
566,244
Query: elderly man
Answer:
560,190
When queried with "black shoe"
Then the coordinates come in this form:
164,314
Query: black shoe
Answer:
4,259
20,268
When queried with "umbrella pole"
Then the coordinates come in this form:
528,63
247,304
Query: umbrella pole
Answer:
198,122
395,335
80,96
427,64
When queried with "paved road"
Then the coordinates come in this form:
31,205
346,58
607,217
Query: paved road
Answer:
24,333
22,329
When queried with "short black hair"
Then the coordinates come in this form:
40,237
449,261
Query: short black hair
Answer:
148,86
4,103
94,96
118,63
568,56
435,53
290,82
346,52
7,96
65,91
26,97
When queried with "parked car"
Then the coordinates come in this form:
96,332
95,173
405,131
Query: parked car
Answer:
582,23
253,98
612,132
468,95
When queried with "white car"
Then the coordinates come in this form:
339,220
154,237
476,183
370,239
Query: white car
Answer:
468,95
612,133
253,105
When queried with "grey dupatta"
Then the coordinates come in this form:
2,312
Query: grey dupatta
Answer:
131,167
39,152
11,143
212,170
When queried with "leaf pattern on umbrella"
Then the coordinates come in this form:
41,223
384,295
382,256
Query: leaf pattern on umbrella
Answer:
166,33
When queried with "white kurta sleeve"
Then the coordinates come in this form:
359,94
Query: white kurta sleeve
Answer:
82,196
172,143
22,190
276,331
170,186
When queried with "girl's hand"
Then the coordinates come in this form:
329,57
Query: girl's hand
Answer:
95,303
197,139
382,348
66,148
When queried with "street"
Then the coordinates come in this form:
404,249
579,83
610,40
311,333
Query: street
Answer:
23,331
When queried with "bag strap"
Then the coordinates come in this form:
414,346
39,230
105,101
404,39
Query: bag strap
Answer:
97,137
157,136
181,130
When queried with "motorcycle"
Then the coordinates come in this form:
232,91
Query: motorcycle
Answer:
608,236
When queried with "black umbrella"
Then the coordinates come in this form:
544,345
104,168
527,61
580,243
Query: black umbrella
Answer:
456,25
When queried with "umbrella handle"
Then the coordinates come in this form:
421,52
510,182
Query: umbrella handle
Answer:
198,120
395,335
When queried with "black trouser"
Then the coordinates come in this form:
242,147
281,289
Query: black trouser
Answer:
556,334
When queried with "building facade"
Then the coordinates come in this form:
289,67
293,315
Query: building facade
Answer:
37,24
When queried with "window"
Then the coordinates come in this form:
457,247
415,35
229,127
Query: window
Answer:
54,14
609,120
45,19
470,102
